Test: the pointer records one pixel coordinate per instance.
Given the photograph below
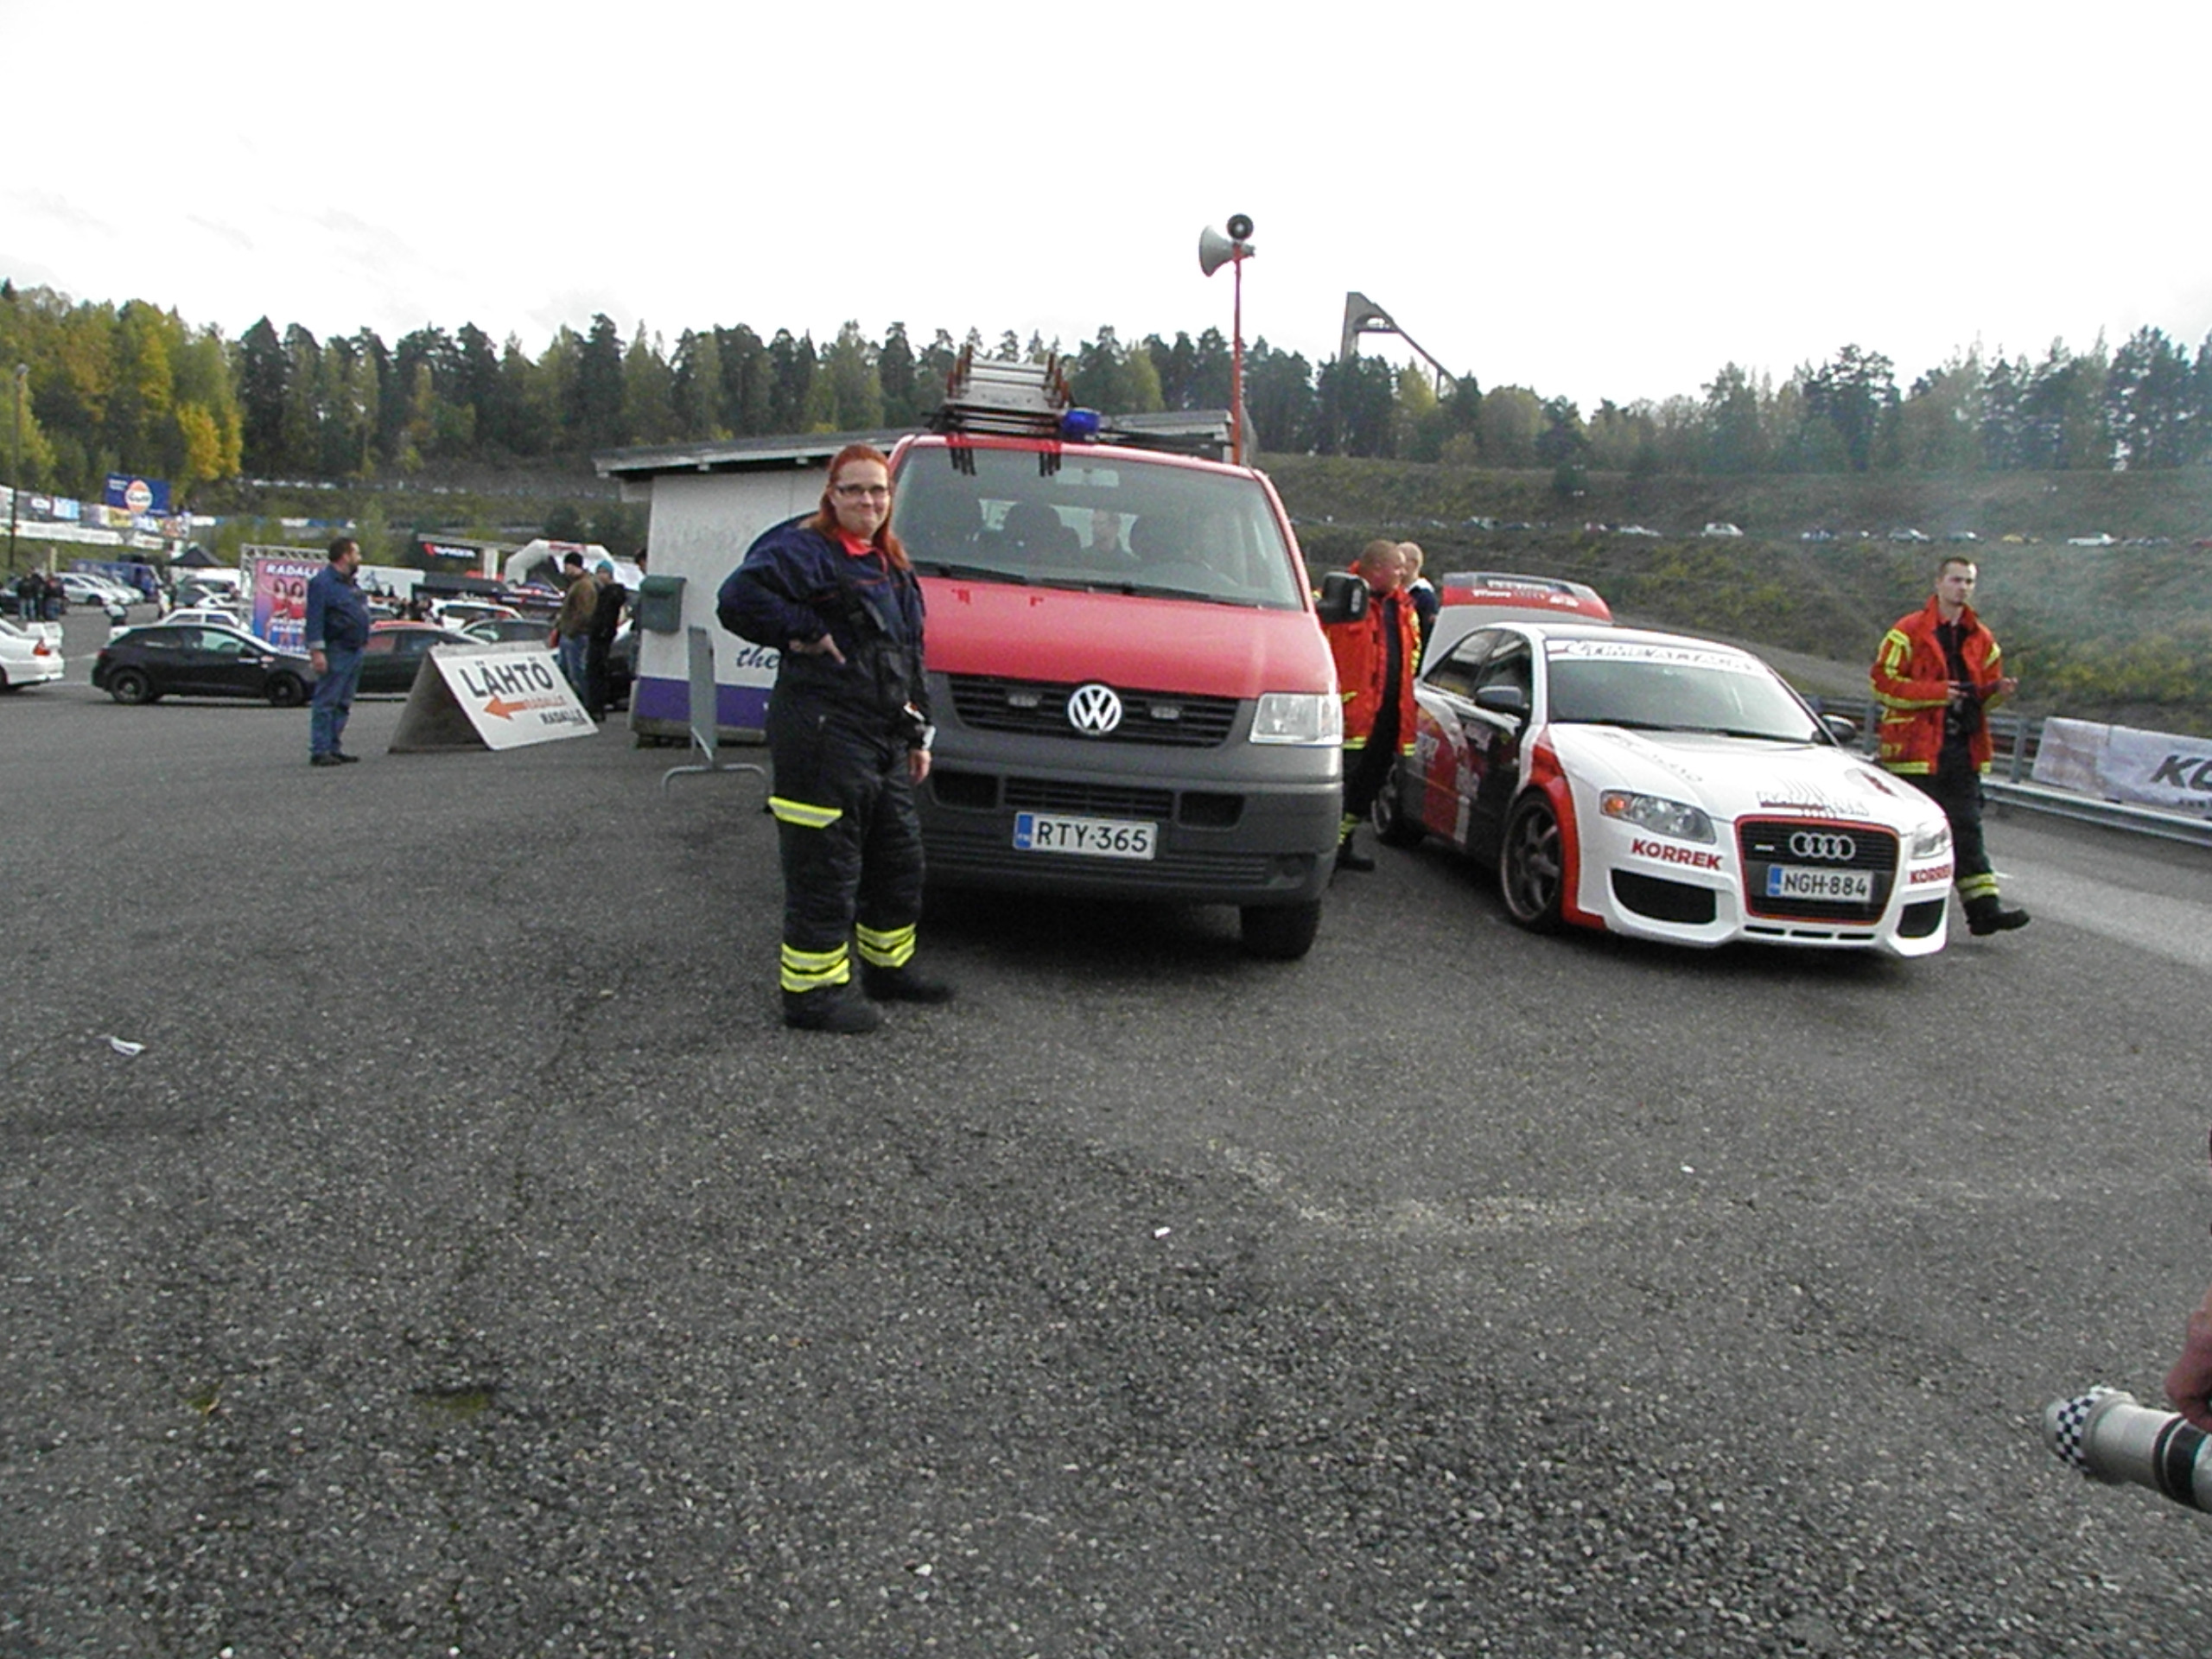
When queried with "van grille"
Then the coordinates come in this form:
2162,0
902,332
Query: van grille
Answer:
989,703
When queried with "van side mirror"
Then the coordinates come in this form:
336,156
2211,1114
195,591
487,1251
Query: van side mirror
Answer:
1344,597
1503,699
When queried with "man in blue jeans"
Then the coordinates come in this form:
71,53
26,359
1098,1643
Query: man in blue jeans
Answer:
337,633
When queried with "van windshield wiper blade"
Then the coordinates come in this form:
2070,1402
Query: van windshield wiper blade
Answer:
981,572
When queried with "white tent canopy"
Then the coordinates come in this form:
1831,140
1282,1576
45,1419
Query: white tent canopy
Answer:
540,561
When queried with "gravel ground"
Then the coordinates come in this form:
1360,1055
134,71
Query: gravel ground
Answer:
469,1264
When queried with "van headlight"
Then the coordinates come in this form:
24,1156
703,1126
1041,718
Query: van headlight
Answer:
1933,838
1657,814
1310,717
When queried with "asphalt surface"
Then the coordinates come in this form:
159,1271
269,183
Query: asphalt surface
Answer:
469,1264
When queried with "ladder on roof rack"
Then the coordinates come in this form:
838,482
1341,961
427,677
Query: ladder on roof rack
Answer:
1014,400
985,397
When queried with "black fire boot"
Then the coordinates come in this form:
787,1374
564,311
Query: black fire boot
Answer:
1986,915
1349,857
836,1008
902,985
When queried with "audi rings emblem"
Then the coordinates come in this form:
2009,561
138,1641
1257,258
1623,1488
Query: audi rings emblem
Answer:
1833,849
1093,709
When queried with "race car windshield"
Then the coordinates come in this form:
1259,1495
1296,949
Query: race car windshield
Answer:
1682,694
1102,520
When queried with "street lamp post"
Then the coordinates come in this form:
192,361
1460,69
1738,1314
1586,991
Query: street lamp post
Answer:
16,465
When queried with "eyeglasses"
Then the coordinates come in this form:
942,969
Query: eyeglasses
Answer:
862,492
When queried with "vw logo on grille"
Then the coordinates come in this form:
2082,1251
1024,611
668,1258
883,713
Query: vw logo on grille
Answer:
1093,709
1833,849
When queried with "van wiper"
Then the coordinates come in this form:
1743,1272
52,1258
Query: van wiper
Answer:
974,572
1148,590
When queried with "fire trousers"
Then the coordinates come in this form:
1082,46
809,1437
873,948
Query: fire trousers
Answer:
851,846
1958,790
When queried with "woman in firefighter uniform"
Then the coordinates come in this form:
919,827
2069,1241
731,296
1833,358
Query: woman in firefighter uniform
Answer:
849,733
1376,656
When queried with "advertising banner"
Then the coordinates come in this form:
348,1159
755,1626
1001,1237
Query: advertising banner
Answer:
2121,763
137,495
280,599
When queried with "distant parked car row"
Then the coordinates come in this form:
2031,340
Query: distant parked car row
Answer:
205,659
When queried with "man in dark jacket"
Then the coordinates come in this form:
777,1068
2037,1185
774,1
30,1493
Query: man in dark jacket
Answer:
337,631
606,623
571,635
849,735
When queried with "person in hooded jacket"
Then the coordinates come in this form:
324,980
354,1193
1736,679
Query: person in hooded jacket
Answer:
849,736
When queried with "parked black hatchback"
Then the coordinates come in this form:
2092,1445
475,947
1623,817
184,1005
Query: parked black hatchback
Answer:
200,660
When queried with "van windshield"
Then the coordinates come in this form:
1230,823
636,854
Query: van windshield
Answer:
1101,519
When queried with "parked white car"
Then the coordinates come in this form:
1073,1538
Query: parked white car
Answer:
96,592
31,653
1718,529
2098,540
1665,787
219,616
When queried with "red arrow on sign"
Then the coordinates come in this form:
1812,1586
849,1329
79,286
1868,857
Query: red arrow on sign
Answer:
503,709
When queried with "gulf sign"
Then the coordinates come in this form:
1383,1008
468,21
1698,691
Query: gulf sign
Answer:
137,495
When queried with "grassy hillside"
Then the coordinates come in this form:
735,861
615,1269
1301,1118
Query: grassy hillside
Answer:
2121,633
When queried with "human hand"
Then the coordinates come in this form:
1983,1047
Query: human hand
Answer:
917,764
319,663
824,646
2189,1384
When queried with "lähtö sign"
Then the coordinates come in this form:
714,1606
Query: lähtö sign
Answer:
490,696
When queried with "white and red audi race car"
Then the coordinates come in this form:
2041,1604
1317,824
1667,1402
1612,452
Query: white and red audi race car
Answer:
1666,787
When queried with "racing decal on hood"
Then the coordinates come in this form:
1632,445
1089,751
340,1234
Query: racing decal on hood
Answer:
1803,795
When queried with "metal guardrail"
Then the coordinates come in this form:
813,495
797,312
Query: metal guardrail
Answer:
2008,783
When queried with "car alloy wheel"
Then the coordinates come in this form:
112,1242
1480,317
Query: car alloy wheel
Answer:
1393,827
129,685
1531,871
285,691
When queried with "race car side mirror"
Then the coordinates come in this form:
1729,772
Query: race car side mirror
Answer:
1344,597
1841,727
1508,700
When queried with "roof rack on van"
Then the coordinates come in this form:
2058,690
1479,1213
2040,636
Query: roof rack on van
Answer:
985,395
1014,400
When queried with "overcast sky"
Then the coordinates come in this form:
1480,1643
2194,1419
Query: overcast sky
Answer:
1597,200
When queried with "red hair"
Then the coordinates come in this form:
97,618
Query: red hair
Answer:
825,519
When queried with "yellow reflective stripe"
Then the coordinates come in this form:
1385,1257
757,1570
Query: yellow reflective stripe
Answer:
814,971
1915,768
1978,887
891,949
1345,825
1355,742
804,815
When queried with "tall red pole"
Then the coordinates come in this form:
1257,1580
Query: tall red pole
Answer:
1236,365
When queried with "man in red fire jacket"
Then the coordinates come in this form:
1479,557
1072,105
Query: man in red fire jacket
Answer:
1375,658
1937,674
